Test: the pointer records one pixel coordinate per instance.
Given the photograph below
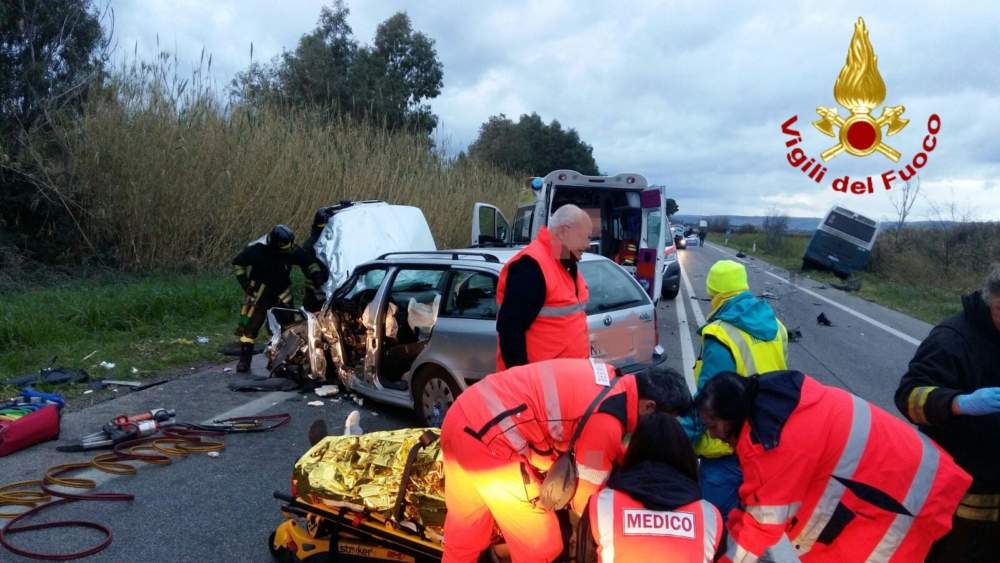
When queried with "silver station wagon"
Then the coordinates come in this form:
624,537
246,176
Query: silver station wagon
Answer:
416,328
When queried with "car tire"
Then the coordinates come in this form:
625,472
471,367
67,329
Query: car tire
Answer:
433,385
667,293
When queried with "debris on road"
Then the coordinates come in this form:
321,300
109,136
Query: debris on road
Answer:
794,335
352,424
852,284
227,370
823,320
213,454
741,254
768,295
327,391
315,403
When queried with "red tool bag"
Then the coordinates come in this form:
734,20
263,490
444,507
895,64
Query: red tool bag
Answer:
30,429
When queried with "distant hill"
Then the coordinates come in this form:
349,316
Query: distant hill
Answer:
797,224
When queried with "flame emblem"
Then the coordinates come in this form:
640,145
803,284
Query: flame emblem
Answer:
860,89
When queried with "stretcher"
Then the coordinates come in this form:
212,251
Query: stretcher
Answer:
317,529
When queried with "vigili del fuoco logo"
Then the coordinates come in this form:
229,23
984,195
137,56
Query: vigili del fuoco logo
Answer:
859,89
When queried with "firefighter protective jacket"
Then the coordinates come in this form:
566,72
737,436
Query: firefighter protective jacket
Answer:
960,355
560,329
829,476
530,412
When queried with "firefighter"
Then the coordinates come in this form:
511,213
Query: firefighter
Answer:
542,297
742,335
315,271
502,432
952,392
263,270
651,509
827,476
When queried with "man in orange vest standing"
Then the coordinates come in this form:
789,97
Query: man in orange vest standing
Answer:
505,430
542,297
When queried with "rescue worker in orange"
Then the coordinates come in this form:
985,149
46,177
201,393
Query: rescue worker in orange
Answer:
504,431
652,508
542,296
827,476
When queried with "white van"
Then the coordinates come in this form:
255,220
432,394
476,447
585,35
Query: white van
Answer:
629,220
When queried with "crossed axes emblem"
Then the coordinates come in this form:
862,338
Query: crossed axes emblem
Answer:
830,118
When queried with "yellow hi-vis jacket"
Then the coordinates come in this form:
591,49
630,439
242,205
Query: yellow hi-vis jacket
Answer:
752,356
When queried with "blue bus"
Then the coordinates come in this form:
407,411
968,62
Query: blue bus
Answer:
842,242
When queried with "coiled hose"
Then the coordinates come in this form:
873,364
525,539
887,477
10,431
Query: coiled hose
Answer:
176,441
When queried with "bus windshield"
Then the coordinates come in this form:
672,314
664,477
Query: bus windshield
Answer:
850,227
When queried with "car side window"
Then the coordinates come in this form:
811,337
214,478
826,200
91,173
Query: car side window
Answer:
472,295
521,233
367,281
420,284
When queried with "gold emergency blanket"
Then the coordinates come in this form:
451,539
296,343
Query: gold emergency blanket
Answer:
367,470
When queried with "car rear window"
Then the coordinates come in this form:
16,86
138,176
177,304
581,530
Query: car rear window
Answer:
611,288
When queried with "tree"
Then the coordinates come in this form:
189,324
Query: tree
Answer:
775,228
532,147
902,200
672,207
387,82
51,52
718,224
392,78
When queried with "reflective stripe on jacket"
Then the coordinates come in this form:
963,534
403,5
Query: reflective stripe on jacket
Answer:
830,475
751,356
624,530
560,329
531,411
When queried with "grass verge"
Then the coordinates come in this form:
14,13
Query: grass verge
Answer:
143,325
929,303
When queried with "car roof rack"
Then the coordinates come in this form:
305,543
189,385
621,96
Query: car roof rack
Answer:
454,255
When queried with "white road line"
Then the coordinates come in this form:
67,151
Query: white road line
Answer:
255,406
687,348
695,304
901,335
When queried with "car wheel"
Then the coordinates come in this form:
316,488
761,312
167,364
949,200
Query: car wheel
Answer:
434,391
667,293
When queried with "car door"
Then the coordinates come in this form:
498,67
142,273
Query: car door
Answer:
619,315
489,226
650,260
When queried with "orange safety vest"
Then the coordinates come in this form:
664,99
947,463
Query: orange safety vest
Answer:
840,478
560,329
531,411
625,530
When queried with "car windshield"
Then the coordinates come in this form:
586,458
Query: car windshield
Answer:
610,287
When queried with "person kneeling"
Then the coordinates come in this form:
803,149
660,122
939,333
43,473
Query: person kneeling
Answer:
652,509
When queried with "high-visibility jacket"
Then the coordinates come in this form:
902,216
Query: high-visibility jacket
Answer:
751,356
560,329
531,411
829,476
625,530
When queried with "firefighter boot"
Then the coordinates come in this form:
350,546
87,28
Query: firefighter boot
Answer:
246,356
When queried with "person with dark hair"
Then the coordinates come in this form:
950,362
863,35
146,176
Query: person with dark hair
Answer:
827,475
504,432
951,391
651,508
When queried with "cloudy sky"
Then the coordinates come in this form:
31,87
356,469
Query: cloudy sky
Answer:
690,94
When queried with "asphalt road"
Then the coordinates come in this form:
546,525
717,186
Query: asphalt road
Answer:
220,509
866,350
